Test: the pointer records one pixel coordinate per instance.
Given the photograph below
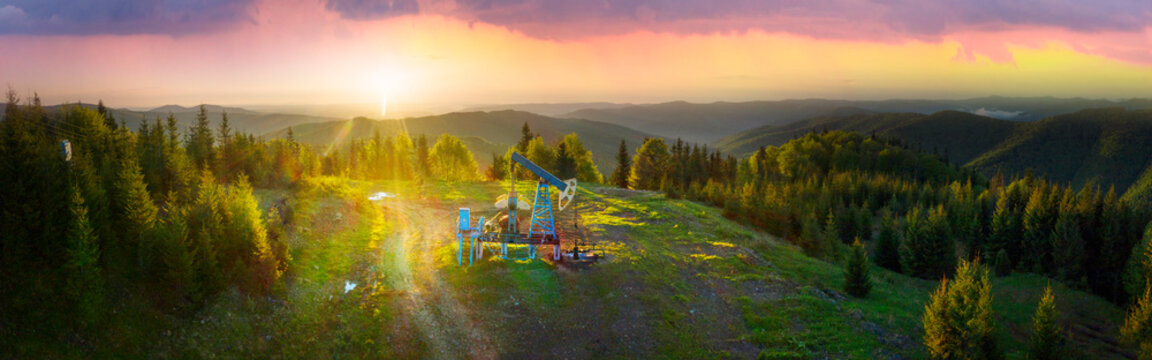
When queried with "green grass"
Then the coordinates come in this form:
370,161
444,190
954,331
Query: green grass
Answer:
679,281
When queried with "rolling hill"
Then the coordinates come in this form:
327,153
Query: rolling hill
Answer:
1112,146
706,123
483,132
239,118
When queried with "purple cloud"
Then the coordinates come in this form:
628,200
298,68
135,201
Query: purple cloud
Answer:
373,9
89,17
559,19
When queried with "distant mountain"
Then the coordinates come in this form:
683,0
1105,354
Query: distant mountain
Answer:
548,109
483,132
707,123
238,118
1111,146
963,135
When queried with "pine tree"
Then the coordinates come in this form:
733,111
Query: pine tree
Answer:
857,281
85,285
176,251
109,120
1045,342
830,238
200,142
135,210
958,320
423,166
928,251
1137,328
565,163
224,135
623,166
499,168
526,136
649,165
888,245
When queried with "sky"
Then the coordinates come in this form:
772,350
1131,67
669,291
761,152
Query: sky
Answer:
154,52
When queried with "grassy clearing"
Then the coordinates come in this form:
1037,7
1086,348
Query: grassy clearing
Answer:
679,281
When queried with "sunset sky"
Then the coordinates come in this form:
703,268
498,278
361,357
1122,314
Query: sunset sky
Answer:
153,52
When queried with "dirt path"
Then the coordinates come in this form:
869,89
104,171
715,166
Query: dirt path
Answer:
442,321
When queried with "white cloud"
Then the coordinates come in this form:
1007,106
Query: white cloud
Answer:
998,114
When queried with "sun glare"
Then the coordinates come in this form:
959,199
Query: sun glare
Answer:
384,105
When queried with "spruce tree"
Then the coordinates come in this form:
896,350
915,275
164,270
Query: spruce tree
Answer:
857,281
888,244
1045,342
1137,328
565,163
499,168
85,286
423,166
928,250
830,238
958,320
526,136
649,165
200,142
623,166
134,210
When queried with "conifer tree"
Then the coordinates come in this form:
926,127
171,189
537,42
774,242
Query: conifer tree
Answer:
1137,328
623,166
928,251
200,142
176,250
888,244
565,163
958,320
85,285
1045,342
526,136
499,168
134,209
423,166
649,165
830,238
857,281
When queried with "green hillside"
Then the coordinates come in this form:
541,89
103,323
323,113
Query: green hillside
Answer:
483,132
965,136
1111,145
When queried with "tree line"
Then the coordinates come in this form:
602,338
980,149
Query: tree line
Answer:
922,216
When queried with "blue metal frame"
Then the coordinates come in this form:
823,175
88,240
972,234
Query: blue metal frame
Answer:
542,225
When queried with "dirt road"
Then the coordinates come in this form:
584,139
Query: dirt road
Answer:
442,321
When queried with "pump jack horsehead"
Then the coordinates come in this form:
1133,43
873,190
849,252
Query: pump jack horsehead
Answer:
503,229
